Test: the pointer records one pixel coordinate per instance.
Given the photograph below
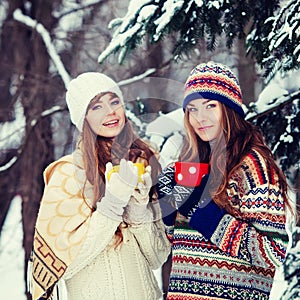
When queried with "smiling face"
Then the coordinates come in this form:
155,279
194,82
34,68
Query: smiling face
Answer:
205,116
106,115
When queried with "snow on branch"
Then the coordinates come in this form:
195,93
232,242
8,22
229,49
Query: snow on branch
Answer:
131,26
286,137
19,16
33,123
285,25
262,108
283,50
8,164
168,11
136,78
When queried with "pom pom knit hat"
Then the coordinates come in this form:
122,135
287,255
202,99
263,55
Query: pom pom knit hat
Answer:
214,81
82,89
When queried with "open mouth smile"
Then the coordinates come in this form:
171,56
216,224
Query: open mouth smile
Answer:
111,123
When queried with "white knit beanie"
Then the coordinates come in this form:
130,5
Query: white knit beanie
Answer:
82,89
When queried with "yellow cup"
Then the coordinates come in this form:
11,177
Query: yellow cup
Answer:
140,169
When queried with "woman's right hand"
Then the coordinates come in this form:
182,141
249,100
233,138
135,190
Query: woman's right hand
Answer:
118,189
123,183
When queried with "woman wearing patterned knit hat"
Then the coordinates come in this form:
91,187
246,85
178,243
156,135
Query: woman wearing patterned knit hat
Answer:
228,231
99,232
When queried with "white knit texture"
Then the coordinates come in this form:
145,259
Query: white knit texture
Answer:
102,272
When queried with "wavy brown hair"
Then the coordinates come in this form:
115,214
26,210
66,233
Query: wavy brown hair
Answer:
238,138
97,151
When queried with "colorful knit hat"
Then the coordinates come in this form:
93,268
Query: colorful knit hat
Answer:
82,89
216,82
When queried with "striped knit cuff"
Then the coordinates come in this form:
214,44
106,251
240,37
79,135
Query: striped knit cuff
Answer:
206,220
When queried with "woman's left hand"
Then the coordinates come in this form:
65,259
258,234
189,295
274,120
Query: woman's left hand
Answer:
141,194
136,211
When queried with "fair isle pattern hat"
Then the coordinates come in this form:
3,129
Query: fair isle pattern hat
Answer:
82,89
216,82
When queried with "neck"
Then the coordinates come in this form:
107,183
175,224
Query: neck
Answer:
212,144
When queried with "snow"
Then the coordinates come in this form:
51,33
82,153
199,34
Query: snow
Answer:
171,126
168,11
276,92
10,132
215,4
199,3
12,284
137,78
9,164
19,16
128,27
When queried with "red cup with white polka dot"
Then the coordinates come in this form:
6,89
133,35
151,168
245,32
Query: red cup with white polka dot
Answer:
190,173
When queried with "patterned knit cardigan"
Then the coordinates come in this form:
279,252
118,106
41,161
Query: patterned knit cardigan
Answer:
239,260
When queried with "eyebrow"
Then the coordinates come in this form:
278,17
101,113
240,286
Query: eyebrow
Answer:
206,101
96,101
203,103
99,99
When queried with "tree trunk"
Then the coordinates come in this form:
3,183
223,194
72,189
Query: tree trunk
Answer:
10,36
13,37
247,73
25,61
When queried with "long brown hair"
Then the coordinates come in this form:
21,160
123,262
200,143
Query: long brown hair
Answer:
98,150
238,138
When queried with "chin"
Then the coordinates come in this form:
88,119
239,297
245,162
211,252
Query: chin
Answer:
111,134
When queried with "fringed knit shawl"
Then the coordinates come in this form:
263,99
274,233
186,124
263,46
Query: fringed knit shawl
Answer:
61,225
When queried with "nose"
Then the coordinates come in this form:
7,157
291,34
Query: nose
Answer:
200,115
109,109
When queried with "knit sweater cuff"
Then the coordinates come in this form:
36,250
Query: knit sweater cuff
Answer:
205,220
168,213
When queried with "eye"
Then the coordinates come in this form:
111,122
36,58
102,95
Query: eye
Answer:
192,109
96,106
211,105
115,101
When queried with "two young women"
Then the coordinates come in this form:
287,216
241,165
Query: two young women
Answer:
103,237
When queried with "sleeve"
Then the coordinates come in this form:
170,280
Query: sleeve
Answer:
153,242
164,186
256,233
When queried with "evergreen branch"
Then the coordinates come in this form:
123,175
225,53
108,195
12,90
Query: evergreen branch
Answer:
291,98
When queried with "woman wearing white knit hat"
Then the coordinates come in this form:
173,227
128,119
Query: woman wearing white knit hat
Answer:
99,230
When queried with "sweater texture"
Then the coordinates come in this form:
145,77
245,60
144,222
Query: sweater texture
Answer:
75,243
216,255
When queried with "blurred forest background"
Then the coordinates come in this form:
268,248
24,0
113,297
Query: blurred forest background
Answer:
44,43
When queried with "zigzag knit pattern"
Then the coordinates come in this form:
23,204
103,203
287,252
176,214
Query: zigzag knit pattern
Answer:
240,259
213,84
213,81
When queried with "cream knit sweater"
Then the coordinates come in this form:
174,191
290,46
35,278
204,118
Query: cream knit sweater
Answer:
102,272
74,245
